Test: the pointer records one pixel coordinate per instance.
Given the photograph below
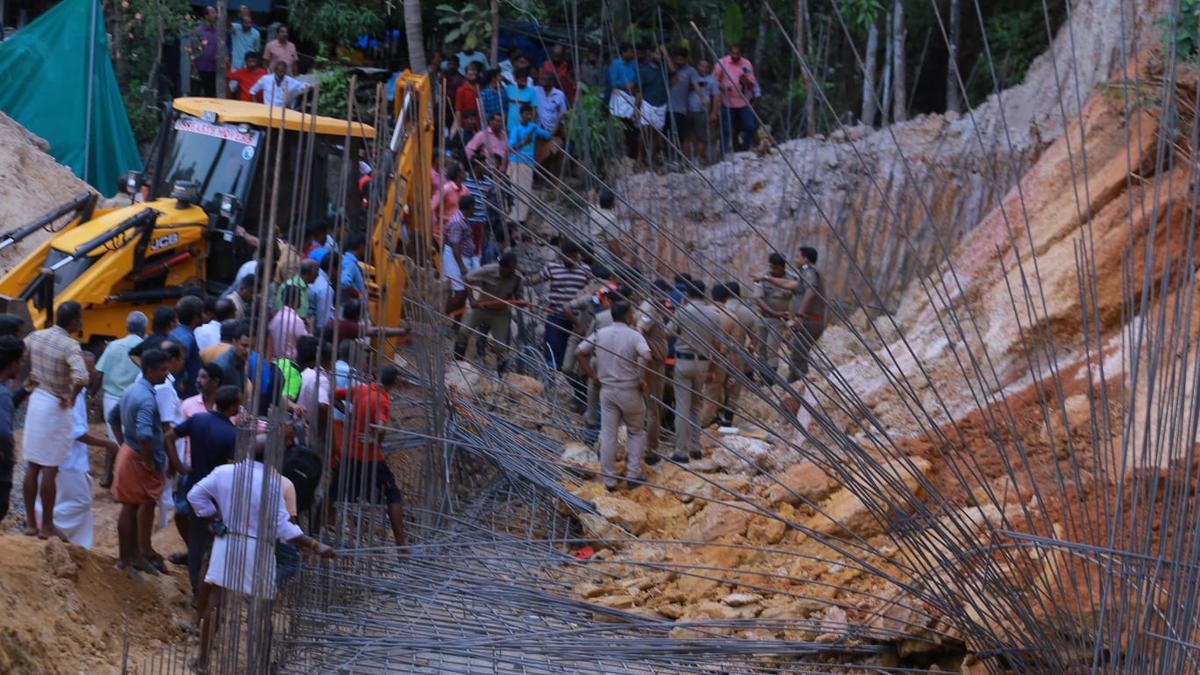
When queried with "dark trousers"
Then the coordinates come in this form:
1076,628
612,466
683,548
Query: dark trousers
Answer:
207,83
200,541
558,331
6,473
740,121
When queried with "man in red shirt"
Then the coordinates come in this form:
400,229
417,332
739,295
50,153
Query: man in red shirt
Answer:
467,96
240,80
363,474
558,66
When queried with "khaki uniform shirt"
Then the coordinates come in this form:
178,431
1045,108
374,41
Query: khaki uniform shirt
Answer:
696,325
493,287
652,321
621,352
812,279
778,299
585,307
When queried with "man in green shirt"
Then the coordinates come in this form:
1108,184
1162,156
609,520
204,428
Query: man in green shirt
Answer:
119,372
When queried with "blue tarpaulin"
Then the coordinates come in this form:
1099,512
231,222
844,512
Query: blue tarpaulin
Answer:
59,84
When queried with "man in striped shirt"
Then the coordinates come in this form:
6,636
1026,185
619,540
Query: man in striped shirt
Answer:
566,277
483,219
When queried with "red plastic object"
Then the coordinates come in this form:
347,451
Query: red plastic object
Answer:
584,553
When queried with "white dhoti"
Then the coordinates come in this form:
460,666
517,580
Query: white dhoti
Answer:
109,402
48,437
622,104
233,565
653,116
72,507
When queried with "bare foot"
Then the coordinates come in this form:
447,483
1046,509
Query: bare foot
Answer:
30,532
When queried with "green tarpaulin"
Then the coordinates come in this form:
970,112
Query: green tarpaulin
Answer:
59,83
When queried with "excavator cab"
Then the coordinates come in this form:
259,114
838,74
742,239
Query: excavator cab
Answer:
208,177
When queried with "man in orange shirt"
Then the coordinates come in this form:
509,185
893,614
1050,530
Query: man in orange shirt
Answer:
363,466
242,79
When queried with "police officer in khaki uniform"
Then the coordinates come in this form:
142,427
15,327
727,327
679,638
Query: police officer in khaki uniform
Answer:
491,290
622,355
776,290
653,314
725,304
582,312
696,326
812,313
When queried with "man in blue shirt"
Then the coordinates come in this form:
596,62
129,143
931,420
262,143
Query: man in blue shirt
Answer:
622,72
214,439
521,139
190,312
353,285
518,94
139,481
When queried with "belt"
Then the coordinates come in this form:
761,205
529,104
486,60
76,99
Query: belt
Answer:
690,357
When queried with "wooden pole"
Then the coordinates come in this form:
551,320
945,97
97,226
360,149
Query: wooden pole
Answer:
222,47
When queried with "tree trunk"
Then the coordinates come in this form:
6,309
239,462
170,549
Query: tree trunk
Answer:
804,46
495,50
760,44
952,101
899,89
869,67
222,58
415,36
885,98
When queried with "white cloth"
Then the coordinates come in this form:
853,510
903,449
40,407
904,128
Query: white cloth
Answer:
47,439
451,271
314,393
109,403
278,93
235,493
653,116
171,413
73,500
622,104
207,334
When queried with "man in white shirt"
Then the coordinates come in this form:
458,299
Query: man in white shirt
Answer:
316,357
171,412
551,103
209,334
236,496
277,87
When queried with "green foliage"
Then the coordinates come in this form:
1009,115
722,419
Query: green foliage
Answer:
334,82
143,26
470,25
329,23
593,133
1183,30
733,24
1016,36
860,14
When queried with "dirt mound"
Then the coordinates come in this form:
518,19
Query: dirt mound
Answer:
69,611
31,184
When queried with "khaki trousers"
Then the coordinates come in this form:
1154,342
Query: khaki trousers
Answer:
656,381
802,342
489,323
689,383
617,405
770,338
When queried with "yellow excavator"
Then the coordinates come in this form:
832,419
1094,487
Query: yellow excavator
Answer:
209,177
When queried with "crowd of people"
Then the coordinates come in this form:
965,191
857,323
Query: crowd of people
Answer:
173,393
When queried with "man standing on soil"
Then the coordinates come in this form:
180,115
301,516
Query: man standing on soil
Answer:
364,464
653,314
622,357
776,289
567,277
812,312
57,366
735,76
11,351
73,509
696,326
491,289
119,372
139,479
